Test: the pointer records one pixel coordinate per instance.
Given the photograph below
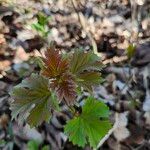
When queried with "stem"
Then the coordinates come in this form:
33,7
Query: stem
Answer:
70,107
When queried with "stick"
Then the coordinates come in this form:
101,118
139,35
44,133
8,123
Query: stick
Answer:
83,23
102,141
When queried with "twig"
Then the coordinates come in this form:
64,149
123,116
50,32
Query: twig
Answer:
83,24
115,59
102,141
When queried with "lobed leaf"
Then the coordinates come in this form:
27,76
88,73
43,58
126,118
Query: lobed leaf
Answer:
57,69
89,79
33,100
55,65
81,61
87,127
69,72
75,129
95,108
85,67
65,88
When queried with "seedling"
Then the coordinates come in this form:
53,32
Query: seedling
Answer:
130,51
59,81
42,25
34,145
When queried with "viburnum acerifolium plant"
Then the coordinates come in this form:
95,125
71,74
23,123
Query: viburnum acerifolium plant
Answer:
60,79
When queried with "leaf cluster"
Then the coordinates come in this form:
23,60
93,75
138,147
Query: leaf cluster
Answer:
41,25
77,70
37,96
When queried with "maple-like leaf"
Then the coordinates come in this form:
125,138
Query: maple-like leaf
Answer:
89,79
33,100
55,65
87,127
57,69
86,66
65,88
81,61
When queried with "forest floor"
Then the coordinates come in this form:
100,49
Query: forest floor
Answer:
104,26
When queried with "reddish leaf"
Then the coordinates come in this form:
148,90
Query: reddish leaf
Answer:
54,64
65,88
57,69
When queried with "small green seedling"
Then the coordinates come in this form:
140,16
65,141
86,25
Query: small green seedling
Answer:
42,25
130,51
34,145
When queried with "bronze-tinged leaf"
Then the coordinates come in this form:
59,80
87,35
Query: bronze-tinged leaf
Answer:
33,101
65,88
55,65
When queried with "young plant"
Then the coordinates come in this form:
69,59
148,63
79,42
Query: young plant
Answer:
34,145
59,81
42,25
130,51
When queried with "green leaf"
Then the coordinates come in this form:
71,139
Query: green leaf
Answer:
46,147
32,145
89,79
41,26
95,108
43,19
33,100
38,27
38,60
87,127
75,129
86,66
130,51
81,61
2,142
